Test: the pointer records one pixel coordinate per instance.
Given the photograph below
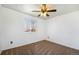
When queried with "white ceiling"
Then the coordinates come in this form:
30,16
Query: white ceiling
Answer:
27,9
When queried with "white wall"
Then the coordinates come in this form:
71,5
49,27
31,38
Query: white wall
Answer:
64,29
1,28
61,29
12,24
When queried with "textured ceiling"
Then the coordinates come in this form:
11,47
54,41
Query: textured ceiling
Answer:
27,9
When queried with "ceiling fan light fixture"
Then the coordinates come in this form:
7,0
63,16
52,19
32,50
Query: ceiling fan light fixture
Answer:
43,14
44,10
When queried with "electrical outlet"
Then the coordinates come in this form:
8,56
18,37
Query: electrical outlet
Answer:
48,37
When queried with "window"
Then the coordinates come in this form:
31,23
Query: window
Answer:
30,25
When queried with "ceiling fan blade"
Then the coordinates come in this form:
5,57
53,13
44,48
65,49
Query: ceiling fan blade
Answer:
36,11
54,10
47,15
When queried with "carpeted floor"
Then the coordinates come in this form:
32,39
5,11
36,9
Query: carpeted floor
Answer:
41,48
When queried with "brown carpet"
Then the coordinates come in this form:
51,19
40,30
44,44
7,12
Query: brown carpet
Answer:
41,48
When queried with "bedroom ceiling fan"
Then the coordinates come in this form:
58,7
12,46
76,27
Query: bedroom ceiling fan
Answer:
44,10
